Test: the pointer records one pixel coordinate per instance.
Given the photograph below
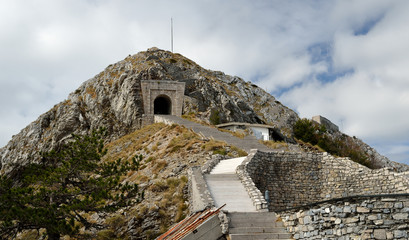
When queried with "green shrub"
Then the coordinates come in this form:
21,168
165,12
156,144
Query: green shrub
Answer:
215,117
315,134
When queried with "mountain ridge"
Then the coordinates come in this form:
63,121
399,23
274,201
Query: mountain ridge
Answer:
112,99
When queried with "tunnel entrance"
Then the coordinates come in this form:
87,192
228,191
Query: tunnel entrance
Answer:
162,105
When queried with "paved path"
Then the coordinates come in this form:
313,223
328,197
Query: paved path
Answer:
226,187
247,143
227,166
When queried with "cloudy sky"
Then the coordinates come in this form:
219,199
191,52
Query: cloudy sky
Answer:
347,60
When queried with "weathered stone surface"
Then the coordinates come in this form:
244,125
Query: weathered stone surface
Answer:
362,210
113,99
357,225
294,179
400,216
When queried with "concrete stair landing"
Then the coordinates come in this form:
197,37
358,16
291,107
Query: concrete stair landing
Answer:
227,189
251,226
227,166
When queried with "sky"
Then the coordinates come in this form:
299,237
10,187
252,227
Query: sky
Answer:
346,60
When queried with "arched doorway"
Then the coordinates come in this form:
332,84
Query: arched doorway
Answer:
162,105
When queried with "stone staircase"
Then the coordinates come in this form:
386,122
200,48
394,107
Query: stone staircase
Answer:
226,188
245,221
252,226
247,143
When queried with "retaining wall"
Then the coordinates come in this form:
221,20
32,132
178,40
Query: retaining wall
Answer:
199,195
295,179
373,217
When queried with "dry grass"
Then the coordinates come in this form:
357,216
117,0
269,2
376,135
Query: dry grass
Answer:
164,148
240,152
90,90
275,145
236,134
133,142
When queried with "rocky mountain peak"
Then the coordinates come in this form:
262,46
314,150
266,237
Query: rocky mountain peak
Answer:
112,99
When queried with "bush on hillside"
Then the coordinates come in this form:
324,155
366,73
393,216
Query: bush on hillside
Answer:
315,134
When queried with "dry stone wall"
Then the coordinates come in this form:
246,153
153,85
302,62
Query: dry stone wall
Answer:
295,179
354,218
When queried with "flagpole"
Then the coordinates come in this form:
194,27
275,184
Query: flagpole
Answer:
171,34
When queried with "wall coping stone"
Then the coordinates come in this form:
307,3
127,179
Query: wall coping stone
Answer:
199,194
385,198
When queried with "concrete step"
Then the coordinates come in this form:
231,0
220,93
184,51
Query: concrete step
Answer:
227,166
227,189
258,219
256,230
222,177
269,236
262,225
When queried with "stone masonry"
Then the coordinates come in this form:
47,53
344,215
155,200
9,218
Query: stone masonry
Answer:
355,218
325,122
171,90
295,179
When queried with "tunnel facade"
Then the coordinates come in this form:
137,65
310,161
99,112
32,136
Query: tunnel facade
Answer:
162,97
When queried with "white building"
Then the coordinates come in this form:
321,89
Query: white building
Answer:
260,131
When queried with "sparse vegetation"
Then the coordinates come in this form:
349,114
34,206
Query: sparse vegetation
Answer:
57,193
214,117
275,144
241,134
162,172
91,91
343,146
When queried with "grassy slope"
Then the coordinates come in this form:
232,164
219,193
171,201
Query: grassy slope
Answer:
168,152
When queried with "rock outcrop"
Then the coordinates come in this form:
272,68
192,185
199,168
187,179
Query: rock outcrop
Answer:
112,99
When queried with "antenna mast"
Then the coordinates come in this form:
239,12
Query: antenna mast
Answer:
171,34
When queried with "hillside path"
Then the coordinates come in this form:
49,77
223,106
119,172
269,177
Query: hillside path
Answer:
226,187
247,143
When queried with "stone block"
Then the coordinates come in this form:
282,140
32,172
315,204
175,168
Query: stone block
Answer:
347,209
400,216
352,220
379,234
362,210
400,234
307,220
378,222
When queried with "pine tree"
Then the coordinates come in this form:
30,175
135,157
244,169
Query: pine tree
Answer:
55,193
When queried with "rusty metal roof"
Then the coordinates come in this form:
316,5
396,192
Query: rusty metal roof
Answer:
188,224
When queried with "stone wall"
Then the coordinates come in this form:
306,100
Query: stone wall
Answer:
295,179
199,194
352,218
325,122
255,194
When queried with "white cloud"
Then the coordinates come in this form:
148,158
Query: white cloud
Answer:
50,47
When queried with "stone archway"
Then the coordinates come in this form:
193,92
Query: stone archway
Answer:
162,105
162,97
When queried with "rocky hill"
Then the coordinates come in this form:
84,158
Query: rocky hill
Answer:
113,99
